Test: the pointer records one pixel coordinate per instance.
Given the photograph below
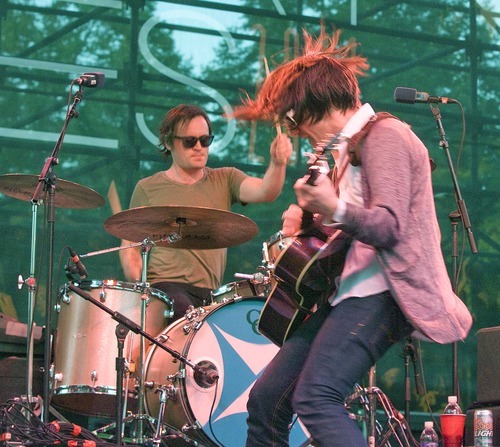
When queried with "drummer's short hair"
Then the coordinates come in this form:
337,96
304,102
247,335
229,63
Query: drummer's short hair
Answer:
178,116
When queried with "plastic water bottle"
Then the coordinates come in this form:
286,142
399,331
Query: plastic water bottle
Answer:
452,407
429,437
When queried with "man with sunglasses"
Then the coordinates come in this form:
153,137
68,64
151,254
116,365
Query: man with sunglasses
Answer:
189,276
393,279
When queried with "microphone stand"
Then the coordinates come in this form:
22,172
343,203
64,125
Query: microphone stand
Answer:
411,356
46,182
459,215
121,333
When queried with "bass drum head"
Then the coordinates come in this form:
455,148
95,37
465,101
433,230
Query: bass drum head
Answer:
227,341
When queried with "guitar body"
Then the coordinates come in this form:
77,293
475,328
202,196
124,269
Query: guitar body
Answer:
304,276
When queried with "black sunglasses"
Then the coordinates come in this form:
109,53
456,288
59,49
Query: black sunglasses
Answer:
189,142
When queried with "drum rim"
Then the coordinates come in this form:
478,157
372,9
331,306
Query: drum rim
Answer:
128,286
84,389
275,237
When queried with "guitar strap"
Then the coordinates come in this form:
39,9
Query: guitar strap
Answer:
356,141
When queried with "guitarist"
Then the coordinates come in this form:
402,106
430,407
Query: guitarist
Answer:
394,282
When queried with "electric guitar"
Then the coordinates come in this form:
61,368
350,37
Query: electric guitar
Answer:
304,275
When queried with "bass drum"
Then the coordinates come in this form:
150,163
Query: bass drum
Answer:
86,346
222,338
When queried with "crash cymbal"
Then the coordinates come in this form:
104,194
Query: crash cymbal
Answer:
199,227
67,195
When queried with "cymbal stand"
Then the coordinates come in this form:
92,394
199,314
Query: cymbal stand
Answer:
46,184
32,285
145,249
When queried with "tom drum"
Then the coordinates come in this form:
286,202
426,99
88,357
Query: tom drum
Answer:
86,346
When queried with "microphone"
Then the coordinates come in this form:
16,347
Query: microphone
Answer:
206,374
95,79
411,96
80,268
256,278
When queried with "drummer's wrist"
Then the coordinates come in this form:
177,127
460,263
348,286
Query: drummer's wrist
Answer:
279,163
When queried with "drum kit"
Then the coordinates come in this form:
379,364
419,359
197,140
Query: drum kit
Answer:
176,383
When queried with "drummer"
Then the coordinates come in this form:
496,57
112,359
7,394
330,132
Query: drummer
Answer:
189,275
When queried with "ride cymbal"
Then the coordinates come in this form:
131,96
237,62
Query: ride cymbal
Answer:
67,194
199,227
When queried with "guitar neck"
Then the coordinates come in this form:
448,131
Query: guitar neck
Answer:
307,219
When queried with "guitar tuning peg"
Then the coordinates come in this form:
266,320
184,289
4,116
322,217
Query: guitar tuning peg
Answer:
311,158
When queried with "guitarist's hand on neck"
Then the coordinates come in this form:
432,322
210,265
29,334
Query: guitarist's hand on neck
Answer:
318,198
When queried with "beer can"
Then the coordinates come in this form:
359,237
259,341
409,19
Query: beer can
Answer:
483,428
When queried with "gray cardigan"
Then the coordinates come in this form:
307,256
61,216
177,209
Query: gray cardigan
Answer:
399,220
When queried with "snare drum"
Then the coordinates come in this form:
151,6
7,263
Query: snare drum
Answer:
86,346
222,338
272,248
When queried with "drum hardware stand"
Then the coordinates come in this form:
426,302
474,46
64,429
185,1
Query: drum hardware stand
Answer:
266,261
171,238
396,427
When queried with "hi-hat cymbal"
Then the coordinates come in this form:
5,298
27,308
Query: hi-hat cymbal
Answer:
67,194
199,227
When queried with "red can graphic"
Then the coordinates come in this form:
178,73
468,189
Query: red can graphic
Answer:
483,428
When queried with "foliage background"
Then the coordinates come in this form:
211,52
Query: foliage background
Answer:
446,47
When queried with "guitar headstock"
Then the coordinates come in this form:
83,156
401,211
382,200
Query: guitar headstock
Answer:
331,142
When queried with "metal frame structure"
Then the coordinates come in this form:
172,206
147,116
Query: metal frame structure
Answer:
482,130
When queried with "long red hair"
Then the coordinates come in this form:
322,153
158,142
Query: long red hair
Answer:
321,78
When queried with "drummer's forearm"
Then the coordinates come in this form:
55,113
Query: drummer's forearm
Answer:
266,189
131,262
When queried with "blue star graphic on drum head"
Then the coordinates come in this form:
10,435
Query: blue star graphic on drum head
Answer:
229,342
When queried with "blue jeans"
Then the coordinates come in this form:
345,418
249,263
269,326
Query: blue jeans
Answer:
317,368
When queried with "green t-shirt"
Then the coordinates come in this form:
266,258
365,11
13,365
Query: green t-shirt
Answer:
219,189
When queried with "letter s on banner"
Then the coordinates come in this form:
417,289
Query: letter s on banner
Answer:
179,77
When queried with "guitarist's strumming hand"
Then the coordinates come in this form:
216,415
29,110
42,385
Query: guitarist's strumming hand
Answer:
319,197
292,220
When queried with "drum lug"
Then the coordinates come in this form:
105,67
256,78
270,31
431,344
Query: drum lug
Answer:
93,377
193,316
58,377
181,374
168,313
130,366
102,295
195,426
167,392
193,313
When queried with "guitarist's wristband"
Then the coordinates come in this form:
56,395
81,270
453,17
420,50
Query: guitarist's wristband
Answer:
339,213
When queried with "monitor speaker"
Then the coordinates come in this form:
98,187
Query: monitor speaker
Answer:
488,365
